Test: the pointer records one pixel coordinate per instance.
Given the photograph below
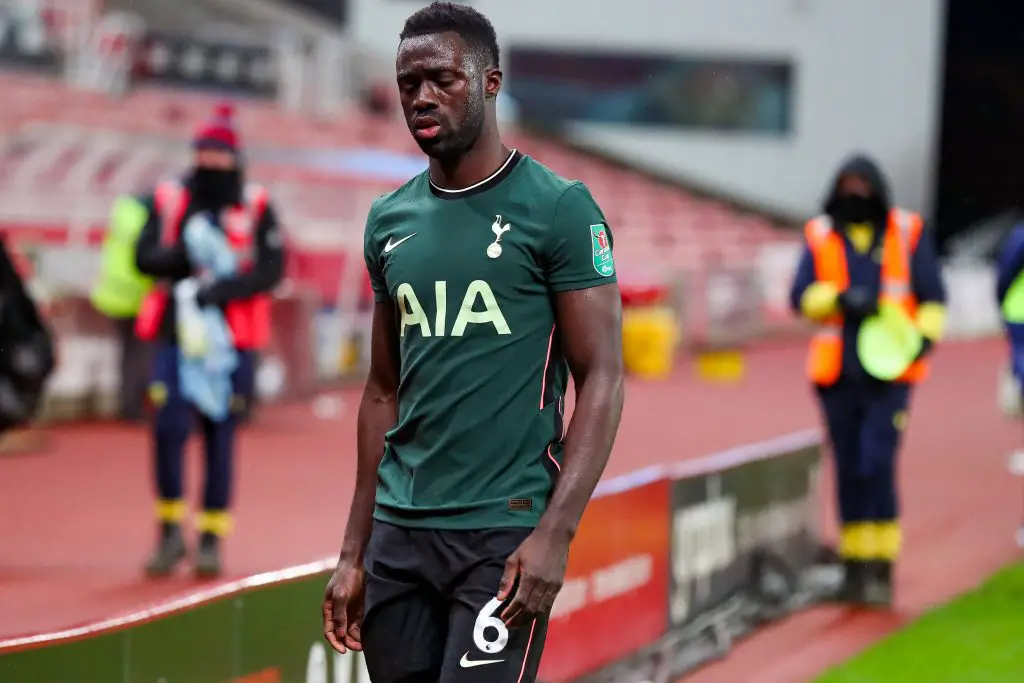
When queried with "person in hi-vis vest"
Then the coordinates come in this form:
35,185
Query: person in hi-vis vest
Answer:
1010,294
1010,297
214,187
118,293
863,252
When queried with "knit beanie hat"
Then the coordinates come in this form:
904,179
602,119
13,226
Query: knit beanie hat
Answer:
219,132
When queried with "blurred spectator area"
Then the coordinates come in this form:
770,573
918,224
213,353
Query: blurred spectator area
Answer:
202,18
241,20
65,154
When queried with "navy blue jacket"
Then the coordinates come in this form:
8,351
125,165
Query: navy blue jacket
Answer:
1009,261
865,271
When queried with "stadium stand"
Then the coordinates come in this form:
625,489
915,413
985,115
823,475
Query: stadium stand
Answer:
79,149
197,17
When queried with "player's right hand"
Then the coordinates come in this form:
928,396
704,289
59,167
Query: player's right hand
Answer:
343,607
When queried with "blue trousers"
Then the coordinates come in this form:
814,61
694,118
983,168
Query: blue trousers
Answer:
865,422
173,422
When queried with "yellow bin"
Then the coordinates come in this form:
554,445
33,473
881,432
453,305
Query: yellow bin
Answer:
721,365
649,333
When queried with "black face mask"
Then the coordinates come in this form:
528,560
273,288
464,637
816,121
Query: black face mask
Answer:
856,209
215,188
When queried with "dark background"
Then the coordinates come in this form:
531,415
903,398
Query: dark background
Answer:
981,165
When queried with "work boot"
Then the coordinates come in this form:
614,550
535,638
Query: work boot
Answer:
208,558
854,578
170,550
878,588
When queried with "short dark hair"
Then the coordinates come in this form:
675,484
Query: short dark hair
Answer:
444,17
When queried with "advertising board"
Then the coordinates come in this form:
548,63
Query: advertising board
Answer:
615,596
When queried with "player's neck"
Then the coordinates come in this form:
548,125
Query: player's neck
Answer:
477,164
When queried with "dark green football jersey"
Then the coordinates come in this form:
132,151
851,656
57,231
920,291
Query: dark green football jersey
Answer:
472,275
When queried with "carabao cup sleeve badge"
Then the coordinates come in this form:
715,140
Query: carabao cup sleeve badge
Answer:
604,264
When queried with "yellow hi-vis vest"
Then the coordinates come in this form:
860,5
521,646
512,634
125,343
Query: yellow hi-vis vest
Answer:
1013,303
119,291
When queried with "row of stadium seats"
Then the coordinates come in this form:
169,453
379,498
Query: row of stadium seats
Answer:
195,16
66,154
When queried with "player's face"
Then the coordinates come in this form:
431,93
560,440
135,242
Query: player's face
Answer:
442,92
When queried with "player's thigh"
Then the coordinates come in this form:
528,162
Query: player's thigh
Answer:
405,623
482,650
480,647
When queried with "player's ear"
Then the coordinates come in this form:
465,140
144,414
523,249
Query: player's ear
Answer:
492,83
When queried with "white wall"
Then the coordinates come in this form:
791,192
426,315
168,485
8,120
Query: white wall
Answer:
867,77
377,23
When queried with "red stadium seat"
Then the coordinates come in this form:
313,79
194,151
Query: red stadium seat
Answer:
69,153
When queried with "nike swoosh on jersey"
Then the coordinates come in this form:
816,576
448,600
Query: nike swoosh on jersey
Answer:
390,246
467,663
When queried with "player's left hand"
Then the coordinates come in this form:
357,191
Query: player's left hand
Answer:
534,572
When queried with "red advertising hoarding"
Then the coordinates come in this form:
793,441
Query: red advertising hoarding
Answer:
615,596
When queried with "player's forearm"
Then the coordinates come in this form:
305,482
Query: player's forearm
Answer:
588,443
378,412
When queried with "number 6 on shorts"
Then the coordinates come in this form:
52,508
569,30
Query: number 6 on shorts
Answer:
485,619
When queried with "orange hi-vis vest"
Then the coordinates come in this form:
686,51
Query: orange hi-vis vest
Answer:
825,356
249,319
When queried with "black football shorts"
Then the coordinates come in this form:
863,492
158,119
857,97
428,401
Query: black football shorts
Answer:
431,615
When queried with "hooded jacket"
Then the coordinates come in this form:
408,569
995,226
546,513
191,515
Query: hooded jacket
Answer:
868,170
864,259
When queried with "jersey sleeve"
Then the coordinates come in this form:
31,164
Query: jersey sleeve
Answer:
371,254
579,245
